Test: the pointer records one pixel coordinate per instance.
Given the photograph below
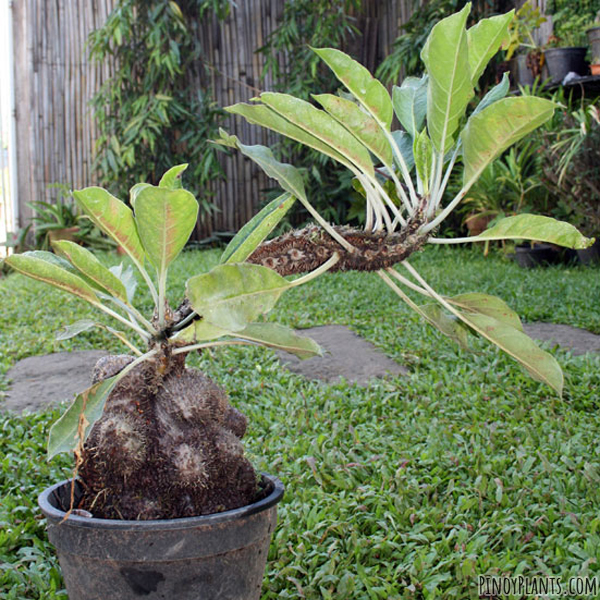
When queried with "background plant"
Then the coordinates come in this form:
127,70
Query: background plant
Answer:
297,70
570,157
570,19
50,220
404,59
149,116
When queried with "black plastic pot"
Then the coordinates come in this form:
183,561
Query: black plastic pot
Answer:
220,556
561,61
539,255
591,255
520,73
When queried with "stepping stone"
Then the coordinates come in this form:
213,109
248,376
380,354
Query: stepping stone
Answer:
346,355
40,381
578,341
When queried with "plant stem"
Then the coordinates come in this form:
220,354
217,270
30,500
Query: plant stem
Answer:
326,226
407,282
143,334
318,271
183,349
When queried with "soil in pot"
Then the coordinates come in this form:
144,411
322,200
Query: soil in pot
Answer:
220,556
562,61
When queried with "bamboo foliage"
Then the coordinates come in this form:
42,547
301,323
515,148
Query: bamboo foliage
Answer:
54,82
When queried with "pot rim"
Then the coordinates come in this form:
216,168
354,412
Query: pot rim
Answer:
272,498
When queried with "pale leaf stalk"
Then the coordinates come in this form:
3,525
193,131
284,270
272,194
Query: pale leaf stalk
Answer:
368,216
134,314
318,271
143,334
431,291
444,184
388,201
185,321
375,201
404,169
162,298
237,342
123,339
398,290
401,192
447,210
462,240
407,282
148,280
326,226
437,190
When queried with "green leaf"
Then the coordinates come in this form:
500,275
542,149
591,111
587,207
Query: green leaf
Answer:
172,178
199,331
489,132
78,327
127,278
496,93
165,220
363,86
113,217
410,103
53,274
74,329
322,126
484,40
448,324
135,190
250,236
405,144
446,58
541,365
423,156
536,228
84,261
280,337
363,127
288,176
265,117
65,433
233,295
487,305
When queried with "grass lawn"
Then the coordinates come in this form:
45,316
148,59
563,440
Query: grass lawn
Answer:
407,489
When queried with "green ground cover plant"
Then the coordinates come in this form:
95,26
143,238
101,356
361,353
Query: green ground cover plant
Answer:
462,467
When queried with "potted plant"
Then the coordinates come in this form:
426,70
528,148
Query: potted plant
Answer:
566,50
523,53
593,34
156,443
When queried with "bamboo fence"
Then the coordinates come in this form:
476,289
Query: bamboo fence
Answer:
54,83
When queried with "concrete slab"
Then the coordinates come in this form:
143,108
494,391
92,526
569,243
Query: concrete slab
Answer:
578,341
39,381
347,355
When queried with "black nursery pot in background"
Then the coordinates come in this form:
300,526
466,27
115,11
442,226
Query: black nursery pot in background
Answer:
528,256
561,61
220,556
